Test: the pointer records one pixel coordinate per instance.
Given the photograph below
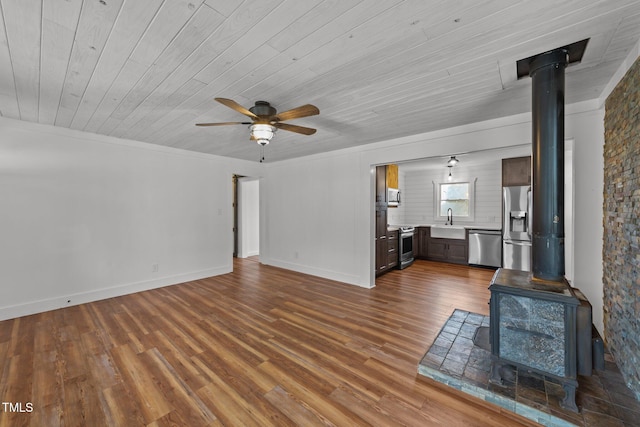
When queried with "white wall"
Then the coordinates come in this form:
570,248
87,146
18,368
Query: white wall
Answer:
418,189
419,195
587,129
85,217
319,216
313,221
248,217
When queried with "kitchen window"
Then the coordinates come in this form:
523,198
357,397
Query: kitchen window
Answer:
457,196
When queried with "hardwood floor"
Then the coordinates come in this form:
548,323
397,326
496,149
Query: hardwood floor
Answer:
260,346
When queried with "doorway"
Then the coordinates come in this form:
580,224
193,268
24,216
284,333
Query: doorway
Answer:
234,204
246,216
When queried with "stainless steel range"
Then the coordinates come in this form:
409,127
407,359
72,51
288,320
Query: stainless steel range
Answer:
405,250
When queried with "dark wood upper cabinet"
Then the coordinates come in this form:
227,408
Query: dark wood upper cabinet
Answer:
381,185
516,171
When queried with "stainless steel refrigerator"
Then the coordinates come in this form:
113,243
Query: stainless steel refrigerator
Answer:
516,237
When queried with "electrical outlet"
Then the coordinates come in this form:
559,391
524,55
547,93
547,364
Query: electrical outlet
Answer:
295,254
155,268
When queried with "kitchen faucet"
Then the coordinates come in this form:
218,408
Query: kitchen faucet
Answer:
449,217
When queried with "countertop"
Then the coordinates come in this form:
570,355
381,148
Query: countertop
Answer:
491,226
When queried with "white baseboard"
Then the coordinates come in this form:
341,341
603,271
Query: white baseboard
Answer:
39,306
320,272
248,254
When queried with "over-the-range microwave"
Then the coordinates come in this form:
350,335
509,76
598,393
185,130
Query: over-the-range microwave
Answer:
393,197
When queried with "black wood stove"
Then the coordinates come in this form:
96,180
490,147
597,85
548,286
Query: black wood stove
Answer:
533,314
533,326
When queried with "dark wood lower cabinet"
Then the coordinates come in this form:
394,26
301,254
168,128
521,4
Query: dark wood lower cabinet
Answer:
382,254
444,250
436,249
382,248
421,246
457,251
392,249
386,252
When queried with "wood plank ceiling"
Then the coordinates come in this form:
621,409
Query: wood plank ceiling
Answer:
148,70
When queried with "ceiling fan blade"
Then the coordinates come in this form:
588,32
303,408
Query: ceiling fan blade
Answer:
223,123
302,111
235,106
294,128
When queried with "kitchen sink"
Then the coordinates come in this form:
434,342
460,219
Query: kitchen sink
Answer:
448,232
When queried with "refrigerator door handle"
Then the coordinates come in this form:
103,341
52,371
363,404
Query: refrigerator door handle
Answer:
517,242
529,212
506,200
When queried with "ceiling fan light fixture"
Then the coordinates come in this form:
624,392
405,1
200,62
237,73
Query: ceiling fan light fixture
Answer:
266,121
262,133
453,161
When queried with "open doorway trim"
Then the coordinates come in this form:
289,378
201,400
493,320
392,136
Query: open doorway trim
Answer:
247,216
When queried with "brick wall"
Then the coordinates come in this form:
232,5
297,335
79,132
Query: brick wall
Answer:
621,254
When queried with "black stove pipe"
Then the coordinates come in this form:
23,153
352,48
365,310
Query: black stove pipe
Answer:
547,73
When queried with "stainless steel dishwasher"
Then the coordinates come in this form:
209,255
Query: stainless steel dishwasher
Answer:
485,247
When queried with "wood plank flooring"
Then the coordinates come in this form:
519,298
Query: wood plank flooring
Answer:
257,347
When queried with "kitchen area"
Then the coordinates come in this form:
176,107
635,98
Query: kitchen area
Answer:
470,208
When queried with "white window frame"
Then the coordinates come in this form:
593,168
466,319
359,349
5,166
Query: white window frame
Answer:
472,204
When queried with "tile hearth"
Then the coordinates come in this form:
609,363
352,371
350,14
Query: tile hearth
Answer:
453,359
